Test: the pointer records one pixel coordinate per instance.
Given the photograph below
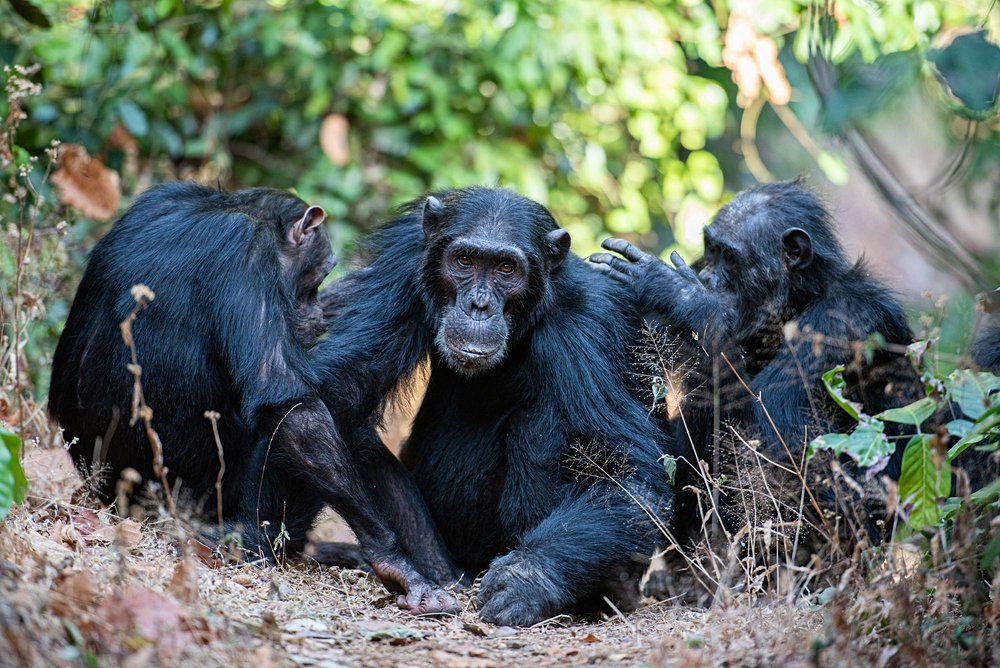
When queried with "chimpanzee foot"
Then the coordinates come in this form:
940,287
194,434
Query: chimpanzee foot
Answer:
416,593
519,591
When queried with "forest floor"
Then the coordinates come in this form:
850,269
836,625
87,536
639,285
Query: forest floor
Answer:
80,586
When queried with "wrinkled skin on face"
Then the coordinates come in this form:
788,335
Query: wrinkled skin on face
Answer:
488,283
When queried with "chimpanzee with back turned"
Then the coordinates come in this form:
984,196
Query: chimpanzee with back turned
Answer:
774,303
538,464
232,328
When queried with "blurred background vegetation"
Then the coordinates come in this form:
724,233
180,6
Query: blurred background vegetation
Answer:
629,118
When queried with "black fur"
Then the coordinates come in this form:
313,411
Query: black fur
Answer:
986,351
538,466
775,296
232,328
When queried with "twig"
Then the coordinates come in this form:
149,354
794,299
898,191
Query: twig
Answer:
213,417
140,409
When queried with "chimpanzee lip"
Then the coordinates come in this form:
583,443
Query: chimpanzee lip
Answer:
473,353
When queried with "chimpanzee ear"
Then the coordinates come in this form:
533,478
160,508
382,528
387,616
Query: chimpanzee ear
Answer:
304,226
797,249
433,208
558,246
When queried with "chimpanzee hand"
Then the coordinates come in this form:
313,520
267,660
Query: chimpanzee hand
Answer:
675,293
519,590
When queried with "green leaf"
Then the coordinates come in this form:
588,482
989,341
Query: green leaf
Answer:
984,427
914,413
13,484
959,428
835,385
987,494
971,391
670,466
968,67
133,118
924,480
991,552
866,445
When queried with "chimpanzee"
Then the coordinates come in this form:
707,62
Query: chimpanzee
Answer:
986,351
232,329
536,460
774,303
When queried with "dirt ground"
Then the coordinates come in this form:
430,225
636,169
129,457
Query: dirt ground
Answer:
83,587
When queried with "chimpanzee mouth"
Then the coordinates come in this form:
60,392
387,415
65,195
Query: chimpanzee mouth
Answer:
471,359
472,355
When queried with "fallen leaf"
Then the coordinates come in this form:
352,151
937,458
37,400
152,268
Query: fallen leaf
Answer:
141,611
243,579
85,184
590,637
73,593
127,534
184,582
333,135
450,660
396,635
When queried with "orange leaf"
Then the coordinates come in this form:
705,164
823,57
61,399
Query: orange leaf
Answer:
333,139
85,184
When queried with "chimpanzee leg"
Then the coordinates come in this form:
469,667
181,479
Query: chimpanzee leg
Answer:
317,466
401,498
590,535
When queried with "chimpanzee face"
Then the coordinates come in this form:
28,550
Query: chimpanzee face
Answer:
749,255
483,276
490,258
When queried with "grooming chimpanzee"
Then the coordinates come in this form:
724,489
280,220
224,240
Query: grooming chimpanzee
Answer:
774,303
232,329
537,463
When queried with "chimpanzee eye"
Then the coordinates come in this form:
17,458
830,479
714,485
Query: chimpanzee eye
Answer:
506,267
464,260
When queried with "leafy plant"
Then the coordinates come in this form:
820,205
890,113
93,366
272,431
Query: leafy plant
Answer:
926,477
13,484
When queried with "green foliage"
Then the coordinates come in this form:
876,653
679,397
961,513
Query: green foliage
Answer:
924,481
586,107
926,476
13,484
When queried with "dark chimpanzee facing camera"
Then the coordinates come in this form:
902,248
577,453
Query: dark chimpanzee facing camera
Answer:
232,329
538,464
774,303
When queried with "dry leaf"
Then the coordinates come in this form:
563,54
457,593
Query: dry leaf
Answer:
448,660
333,134
85,184
127,534
184,582
72,594
244,579
141,611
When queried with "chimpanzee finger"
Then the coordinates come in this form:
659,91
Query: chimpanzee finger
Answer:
613,265
624,248
682,267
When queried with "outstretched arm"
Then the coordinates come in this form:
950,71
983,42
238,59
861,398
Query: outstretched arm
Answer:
674,294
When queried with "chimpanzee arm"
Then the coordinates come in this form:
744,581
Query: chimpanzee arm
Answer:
673,294
307,452
377,336
570,553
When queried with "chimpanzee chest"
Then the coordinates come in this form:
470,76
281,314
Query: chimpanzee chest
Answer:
459,455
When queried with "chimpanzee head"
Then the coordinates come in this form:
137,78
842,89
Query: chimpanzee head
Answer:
770,247
490,253
302,248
